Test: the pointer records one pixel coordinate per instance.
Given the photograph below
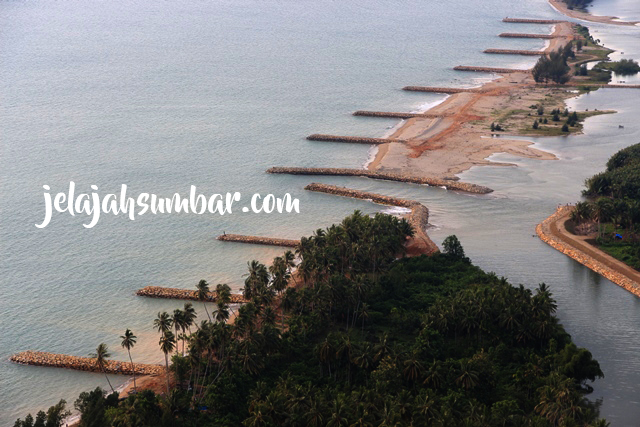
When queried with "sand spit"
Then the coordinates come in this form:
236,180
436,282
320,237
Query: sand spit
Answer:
443,147
561,7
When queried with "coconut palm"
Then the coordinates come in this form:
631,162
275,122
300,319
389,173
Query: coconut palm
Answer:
101,355
189,315
128,341
602,209
583,211
202,292
163,322
167,344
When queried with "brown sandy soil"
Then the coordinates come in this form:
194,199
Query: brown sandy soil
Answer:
559,230
446,146
561,7
157,383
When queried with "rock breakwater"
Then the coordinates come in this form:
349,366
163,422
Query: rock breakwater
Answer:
259,240
177,293
391,115
543,230
418,218
40,358
434,89
532,21
351,139
388,176
527,36
515,52
487,69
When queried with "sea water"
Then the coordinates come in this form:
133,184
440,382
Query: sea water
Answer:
164,95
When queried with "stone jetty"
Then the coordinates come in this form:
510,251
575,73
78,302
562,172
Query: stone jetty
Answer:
448,90
515,52
533,21
488,69
606,86
177,293
396,115
40,358
351,139
418,218
544,231
432,181
259,240
527,36
357,194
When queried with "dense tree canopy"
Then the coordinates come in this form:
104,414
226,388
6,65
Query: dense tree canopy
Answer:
614,203
360,338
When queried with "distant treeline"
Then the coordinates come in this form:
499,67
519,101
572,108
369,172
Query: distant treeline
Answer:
577,4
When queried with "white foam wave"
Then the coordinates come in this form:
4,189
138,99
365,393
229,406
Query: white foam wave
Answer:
396,210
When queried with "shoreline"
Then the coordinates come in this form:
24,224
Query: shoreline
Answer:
456,142
553,232
562,8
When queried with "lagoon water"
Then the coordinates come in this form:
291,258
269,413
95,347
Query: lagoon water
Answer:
164,95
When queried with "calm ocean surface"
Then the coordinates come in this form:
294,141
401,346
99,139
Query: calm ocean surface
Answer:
164,95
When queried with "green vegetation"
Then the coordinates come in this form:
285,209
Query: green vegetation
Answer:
577,4
54,417
558,122
365,339
614,204
554,67
625,67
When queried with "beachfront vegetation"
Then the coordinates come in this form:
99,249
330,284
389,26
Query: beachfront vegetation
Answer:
358,337
577,4
614,205
54,417
554,66
625,67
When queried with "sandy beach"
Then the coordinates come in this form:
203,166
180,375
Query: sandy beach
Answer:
449,145
561,7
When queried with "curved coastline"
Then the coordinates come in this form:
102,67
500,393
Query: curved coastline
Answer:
552,231
562,8
454,142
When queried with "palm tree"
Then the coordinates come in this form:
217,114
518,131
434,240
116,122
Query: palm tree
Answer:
128,341
582,212
289,262
163,322
101,355
602,211
178,323
189,315
202,292
468,377
412,368
167,344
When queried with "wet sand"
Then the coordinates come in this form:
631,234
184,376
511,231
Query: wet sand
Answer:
444,147
561,7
